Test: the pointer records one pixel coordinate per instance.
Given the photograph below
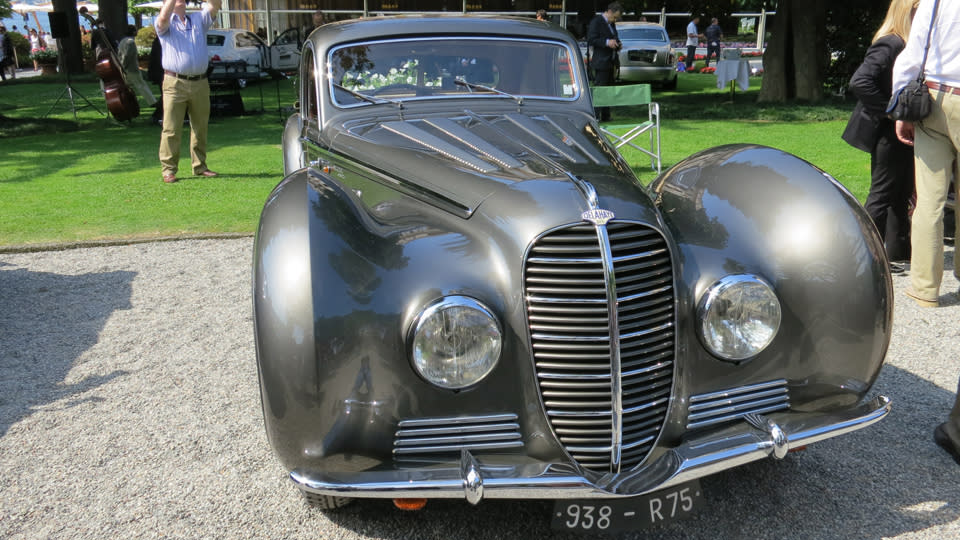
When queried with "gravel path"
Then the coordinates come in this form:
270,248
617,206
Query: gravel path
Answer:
129,409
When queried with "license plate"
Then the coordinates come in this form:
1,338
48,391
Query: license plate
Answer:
617,515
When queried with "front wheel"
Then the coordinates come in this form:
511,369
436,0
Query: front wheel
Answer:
671,84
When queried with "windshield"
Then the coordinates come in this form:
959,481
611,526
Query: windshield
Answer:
429,67
644,34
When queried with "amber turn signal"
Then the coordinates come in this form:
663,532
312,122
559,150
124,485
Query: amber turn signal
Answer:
410,504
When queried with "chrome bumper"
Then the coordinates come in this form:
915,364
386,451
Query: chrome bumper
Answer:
762,436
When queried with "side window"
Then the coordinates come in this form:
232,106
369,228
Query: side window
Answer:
309,107
288,37
246,40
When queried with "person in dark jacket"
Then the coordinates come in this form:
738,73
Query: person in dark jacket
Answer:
713,34
869,129
602,37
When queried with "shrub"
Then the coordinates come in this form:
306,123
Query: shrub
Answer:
145,37
45,56
21,45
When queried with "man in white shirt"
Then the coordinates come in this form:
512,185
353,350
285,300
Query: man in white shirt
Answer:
693,40
936,141
185,87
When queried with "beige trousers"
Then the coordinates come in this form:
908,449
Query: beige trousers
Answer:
179,97
936,146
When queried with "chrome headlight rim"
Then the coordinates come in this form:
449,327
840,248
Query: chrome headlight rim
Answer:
708,302
439,306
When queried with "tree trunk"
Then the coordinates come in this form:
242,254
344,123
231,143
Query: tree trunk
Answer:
794,65
113,15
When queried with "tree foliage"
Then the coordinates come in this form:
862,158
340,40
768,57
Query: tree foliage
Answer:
5,10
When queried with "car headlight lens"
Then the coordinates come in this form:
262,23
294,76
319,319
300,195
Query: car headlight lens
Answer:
739,316
456,342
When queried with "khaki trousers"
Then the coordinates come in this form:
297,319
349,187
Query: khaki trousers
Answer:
179,97
936,145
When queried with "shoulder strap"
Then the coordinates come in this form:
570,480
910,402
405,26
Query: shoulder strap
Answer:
922,76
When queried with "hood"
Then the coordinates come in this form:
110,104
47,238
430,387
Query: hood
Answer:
466,157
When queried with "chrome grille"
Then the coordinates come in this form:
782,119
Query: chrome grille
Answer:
735,403
567,286
436,436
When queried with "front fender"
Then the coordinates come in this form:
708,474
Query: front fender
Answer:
292,145
754,209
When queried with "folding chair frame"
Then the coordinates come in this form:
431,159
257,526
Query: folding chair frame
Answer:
638,94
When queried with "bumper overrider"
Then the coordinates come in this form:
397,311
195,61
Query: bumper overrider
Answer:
758,437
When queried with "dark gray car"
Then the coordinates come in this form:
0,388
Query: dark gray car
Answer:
461,290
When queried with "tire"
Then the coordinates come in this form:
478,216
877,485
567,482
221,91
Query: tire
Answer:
325,502
671,84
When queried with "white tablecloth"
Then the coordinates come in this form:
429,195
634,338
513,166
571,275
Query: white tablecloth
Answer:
733,70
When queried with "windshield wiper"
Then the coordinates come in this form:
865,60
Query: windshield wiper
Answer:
471,86
368,99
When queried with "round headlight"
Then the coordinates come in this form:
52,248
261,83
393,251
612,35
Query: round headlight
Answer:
456,342
739,316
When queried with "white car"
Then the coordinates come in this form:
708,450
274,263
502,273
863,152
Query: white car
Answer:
227,45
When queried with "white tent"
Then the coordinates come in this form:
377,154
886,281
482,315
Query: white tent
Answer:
23,8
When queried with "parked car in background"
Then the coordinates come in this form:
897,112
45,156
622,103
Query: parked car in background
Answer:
461,289
237,45
646,56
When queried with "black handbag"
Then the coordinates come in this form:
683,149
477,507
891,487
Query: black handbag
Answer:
913,102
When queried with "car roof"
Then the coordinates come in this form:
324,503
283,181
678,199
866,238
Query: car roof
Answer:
437,25
638,24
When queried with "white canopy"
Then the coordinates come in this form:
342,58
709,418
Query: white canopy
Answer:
23,7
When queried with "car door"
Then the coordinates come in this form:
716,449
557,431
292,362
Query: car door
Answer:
285,51
253,50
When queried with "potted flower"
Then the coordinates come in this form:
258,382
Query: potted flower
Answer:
46,60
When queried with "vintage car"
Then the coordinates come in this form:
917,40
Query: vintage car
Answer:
461,290
646,55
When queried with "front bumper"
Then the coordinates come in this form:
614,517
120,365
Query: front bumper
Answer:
756,438
647,73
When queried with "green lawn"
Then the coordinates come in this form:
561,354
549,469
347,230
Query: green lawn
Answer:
94,179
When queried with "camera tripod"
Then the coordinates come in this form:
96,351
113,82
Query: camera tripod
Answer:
69,91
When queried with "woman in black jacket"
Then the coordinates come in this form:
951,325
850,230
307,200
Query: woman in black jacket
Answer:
869,129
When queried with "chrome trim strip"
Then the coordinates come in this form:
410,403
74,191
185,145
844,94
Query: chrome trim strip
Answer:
648,331
616,379
575,376
507,417
547,260
527,124
465,136
455,447
653,292
413,133
736,416
455,429
721,410
471,479
738,390
732,401
544,300
452,440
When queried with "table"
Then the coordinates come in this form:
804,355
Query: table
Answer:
730,71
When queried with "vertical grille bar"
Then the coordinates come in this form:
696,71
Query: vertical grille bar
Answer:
600,307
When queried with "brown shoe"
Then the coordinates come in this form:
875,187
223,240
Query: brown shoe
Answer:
169,178
207,174
922,302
